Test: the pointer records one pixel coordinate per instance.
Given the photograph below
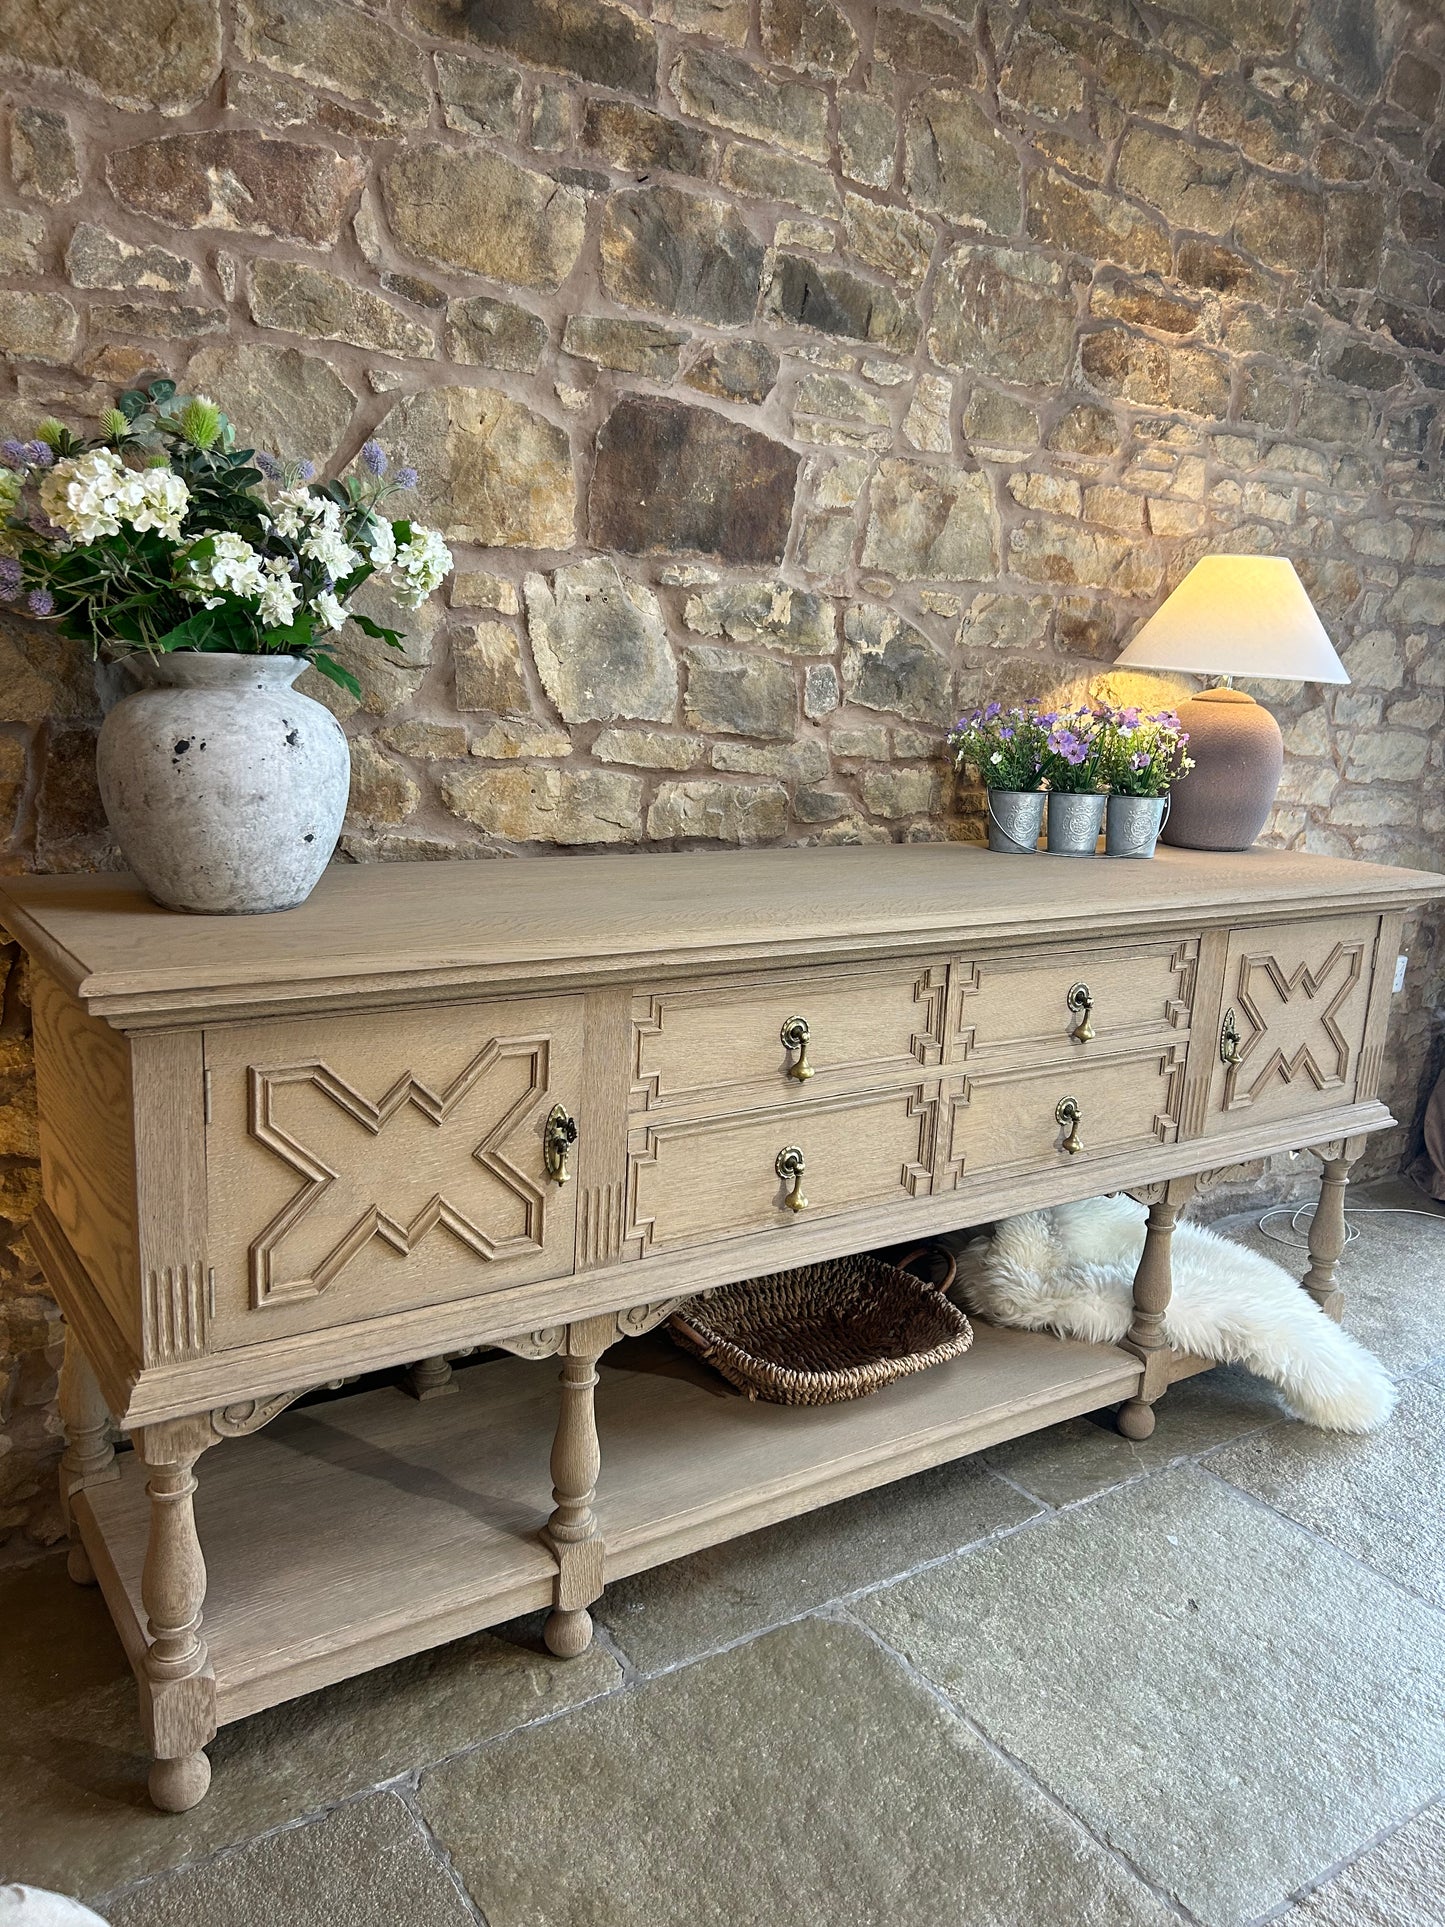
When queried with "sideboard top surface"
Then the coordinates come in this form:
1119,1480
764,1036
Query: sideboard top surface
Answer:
417,931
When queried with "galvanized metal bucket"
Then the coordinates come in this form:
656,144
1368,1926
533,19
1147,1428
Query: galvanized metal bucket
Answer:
1015,818
1075,819
1134,824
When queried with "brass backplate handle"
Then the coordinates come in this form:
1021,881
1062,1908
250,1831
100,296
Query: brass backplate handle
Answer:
790,1165
795,1035
1067,1111
1229,1039
559,1134
1080,1001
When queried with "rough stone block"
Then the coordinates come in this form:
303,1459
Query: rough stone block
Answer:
669,477
239,181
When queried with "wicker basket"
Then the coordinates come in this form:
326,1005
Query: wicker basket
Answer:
824,1333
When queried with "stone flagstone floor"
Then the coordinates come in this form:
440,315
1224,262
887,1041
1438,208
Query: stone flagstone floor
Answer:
1072,1683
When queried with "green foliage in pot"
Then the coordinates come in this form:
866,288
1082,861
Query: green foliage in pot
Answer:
1073,750
1006,746
1142,755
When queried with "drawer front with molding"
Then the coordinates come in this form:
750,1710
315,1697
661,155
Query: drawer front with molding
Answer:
1011,1122
1296,1001
693,1181
703,1047
1072,1001
358,1166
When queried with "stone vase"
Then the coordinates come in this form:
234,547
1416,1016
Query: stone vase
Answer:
1133,825
224,786
1075,819
1015,818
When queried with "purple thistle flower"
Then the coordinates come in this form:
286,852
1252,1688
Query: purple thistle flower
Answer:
406,477
268,465
39,454
373,457
40,602
10,578
12,453
306,470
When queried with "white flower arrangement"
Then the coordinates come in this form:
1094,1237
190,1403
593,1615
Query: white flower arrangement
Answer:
160,535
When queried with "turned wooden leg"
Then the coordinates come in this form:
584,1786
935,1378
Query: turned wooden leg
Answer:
572,1530
1153,1287
178,1691
429,1378
1327,1227
89,1456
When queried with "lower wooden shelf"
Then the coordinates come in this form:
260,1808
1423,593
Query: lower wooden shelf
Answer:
351,1533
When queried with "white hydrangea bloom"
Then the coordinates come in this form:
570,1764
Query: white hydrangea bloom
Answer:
330,610
234,565
81,495
421,565
279,598
292,510
381,538
154,499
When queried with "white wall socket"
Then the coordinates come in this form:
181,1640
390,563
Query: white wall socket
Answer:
1400,963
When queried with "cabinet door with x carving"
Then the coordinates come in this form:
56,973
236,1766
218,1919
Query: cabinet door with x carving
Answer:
1296,1000
360,1166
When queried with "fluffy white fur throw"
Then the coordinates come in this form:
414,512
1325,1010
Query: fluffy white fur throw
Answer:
1071,1270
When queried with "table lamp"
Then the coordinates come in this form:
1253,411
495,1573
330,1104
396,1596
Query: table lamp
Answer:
1233,615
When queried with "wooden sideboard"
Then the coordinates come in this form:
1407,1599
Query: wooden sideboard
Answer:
527,1106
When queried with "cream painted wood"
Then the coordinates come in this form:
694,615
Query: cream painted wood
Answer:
1015,1005
713,1047
357,1169
1299,997
318,1149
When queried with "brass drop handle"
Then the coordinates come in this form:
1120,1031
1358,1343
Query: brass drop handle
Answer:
1080,1001
795,1035
1067,1111
559,1134
1229,1040
790,1165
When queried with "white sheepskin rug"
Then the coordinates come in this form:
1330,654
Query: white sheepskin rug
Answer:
1070,1270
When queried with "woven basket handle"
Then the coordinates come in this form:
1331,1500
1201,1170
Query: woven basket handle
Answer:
935,1254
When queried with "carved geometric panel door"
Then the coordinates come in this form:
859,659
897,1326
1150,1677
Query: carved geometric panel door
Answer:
1296,997
359,1166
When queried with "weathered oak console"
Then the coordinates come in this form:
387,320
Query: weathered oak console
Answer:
527,1106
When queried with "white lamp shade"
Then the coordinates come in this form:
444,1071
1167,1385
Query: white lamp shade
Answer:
1238,615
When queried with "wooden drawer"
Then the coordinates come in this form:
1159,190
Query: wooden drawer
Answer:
1003,1122
1298,997
695,1180
1017,1005
708,1046
358,1167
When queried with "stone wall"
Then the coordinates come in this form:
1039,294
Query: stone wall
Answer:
788,375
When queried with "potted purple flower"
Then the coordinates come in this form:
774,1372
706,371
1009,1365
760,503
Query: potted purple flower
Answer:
1006,747
1073,747
1142,757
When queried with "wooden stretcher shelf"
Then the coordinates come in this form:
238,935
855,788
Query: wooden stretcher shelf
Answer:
425,1518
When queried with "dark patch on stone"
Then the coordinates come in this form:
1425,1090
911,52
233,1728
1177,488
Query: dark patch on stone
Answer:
836,302
180,748
237,180
672,478
596,42
736,371
680,254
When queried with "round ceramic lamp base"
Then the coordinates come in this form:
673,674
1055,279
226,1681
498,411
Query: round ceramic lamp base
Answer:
1238,757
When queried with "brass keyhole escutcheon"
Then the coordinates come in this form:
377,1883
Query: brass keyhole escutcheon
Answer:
1229,1040
1067,1112
1080,1001
795,1035
790,1164
559,1134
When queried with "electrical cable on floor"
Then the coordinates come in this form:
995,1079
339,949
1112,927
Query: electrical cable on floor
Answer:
1300,1218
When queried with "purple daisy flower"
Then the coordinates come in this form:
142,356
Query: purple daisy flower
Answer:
40,602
